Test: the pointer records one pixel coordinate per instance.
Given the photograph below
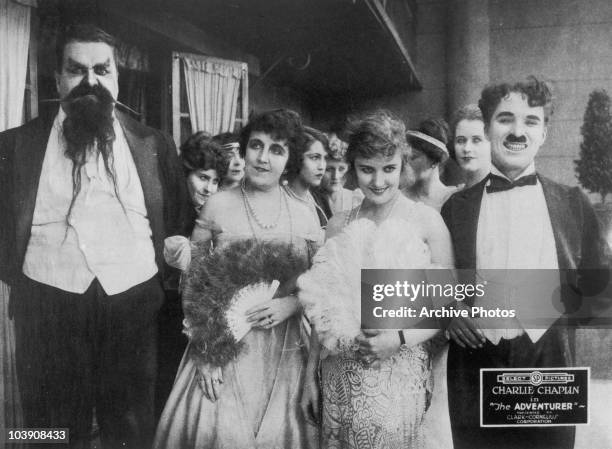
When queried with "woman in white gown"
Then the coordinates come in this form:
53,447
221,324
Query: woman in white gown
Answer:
247,396
374,385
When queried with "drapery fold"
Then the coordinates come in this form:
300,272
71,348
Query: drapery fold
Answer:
213,87
14,43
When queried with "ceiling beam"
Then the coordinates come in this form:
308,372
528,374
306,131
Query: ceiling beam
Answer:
181,31
378,10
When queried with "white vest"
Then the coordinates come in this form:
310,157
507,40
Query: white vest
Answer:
101,240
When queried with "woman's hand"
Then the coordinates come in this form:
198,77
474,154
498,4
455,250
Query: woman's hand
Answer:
377,345
465,332
210,379
310,400
273,312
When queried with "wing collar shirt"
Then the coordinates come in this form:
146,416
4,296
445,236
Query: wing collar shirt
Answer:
107,237
515,234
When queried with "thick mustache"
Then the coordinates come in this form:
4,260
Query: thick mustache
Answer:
83,90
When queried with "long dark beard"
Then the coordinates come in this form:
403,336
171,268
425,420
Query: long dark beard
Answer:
88,126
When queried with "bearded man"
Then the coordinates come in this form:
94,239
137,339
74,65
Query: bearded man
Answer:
87,196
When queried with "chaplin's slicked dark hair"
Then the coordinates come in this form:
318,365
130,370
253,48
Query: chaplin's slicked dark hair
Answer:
538,93
82,32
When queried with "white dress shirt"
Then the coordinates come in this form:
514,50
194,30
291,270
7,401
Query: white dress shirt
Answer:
514,233
101,239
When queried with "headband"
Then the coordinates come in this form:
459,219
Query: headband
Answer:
231,146
432,140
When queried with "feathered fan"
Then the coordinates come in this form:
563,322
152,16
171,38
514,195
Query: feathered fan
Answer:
331,290
220,286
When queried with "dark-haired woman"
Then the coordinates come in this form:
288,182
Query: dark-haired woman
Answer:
203,162
309,173
247,398
234,172
472,149
428,154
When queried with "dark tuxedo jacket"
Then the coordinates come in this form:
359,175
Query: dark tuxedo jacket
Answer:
22,151
582,251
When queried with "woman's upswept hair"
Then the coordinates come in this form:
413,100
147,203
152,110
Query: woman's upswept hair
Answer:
337,148
224,140
436,128
201,152
538,93
280,124
470,112
376,134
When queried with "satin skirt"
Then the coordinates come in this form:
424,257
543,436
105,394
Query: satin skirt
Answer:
258,405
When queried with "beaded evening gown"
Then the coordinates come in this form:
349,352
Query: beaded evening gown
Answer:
367,407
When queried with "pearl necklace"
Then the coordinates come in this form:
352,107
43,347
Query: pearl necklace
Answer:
251,212
309,201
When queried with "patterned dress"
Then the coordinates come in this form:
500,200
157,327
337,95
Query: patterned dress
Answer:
375,407
366,407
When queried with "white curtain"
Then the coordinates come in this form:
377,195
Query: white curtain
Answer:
14,42
212,92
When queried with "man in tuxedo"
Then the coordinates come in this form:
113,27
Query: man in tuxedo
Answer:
87,197
516,219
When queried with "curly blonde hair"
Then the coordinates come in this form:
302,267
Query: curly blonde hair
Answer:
377,134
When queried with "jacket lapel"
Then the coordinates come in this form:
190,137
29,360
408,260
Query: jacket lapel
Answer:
30,148
464,225
566,229
144,152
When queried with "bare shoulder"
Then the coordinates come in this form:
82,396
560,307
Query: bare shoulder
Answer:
220,208
426,213
305,217
220,201
432,224
298,207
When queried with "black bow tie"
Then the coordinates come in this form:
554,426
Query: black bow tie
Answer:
500,184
